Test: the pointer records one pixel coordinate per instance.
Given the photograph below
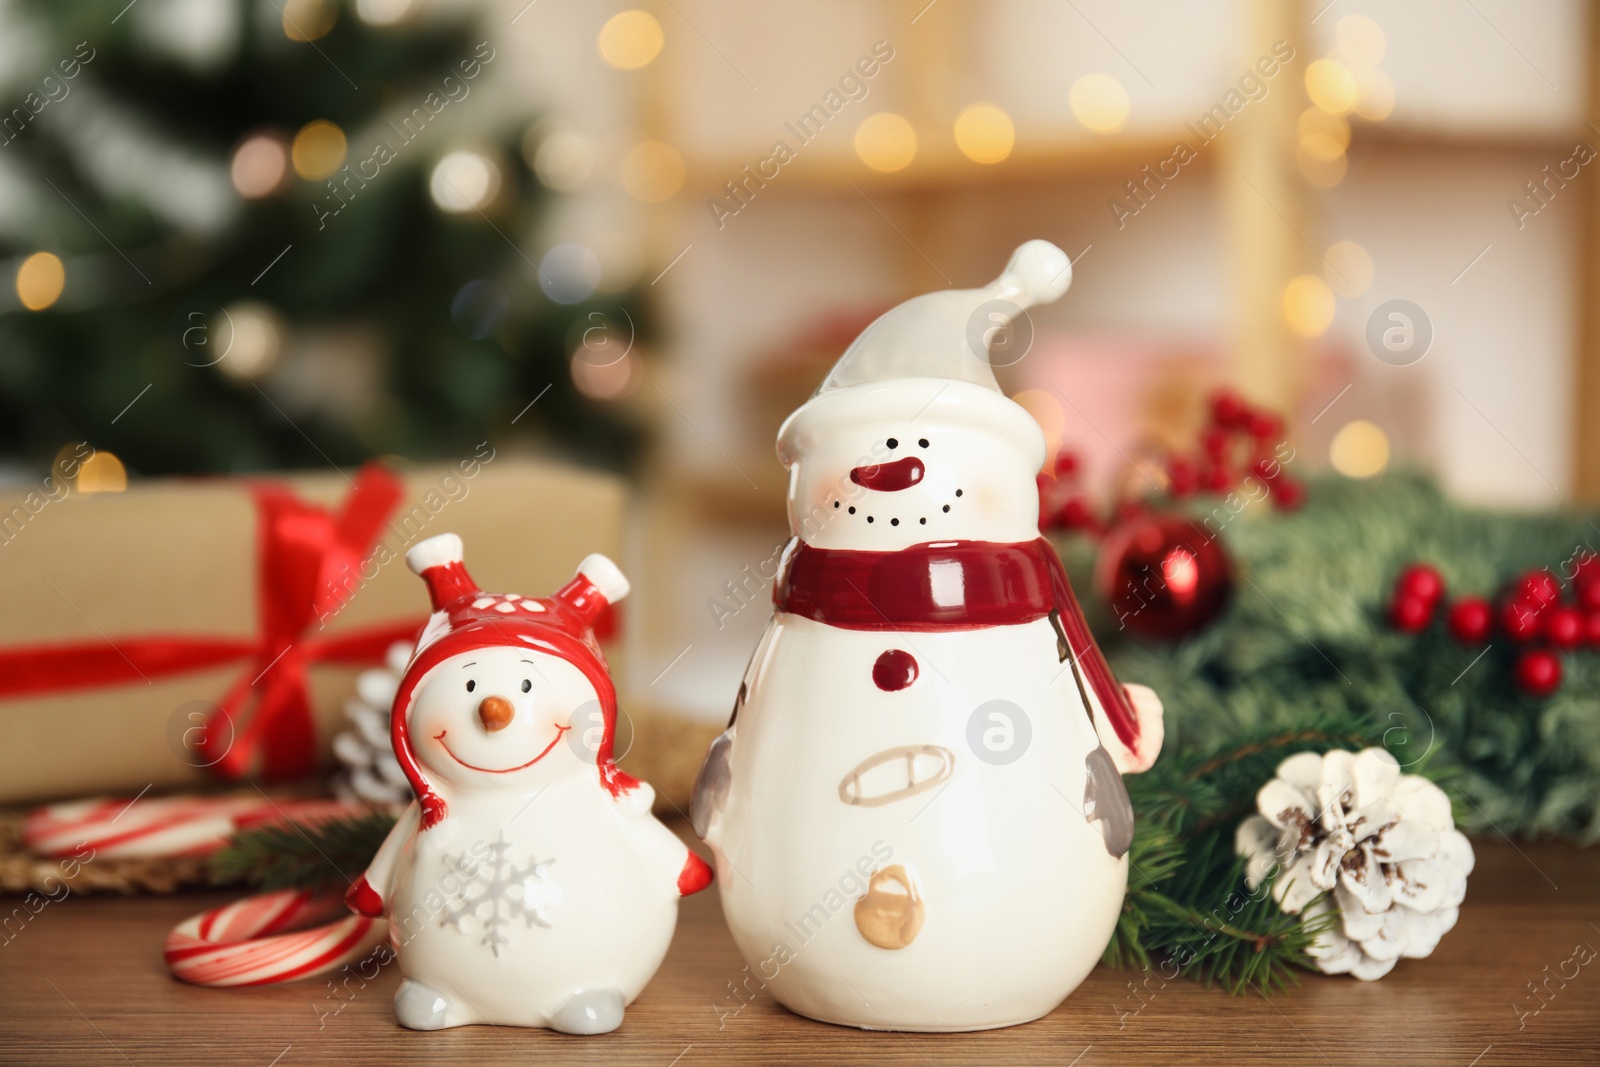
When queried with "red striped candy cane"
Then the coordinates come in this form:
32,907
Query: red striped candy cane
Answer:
269,938
162,826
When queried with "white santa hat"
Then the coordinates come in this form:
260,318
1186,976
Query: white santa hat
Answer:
939,341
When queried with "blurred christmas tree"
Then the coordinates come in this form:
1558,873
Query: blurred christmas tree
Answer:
250,235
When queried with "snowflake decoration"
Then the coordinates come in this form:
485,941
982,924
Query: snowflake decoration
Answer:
506,891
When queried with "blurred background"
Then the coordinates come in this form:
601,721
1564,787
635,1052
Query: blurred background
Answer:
245,236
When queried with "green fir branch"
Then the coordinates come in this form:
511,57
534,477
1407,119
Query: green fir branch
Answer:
325,855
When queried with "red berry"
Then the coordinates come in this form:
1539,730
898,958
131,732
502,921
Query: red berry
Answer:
1538,672
1288,495
1265,426
1563,626
1420,580
1540,588
1066,463
1519,619
1227,408
1182,478
1410,614
1266,469
1588,568
1591,627
1589,591
1215,441
1219,479
1470,620
1075,514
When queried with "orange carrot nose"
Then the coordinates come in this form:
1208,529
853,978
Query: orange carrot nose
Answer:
495,713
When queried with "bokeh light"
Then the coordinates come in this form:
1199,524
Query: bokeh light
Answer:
1331,86
384,12
306,20
256,341
562,159
886,142
1323,136
1376,95
260,166
1100,102
653,171
1359,450
40,279
478,308
1308,305
1361,40
1348,268
1323,173
602,381
569,273
464,181
318,150
984,133
101,473
630,40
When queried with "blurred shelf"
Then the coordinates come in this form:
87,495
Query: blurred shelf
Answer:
1382,138
947,170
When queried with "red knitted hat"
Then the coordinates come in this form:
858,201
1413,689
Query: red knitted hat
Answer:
465,619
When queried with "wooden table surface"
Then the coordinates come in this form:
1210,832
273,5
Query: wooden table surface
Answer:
83,983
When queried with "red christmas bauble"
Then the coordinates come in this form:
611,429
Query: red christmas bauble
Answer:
1563,626
1539,587
1288,495
1164,576
1421,581
1264,425
1538,672
1470,620
1182,477
1519,619
1410,614
1227,408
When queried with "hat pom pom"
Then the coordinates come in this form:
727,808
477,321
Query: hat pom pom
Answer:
605,576
439,551
1038,273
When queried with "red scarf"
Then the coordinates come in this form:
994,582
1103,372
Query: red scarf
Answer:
950,585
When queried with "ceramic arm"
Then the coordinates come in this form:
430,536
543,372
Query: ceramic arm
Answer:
369,896
1152,730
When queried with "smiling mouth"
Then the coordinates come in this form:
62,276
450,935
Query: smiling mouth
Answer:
439,737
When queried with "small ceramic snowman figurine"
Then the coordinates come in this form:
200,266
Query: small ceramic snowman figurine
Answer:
917,813
528,885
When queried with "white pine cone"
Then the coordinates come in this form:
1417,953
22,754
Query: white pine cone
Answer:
1384,844
370,772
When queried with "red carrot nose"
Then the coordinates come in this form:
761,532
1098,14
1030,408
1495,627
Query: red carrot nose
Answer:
889,477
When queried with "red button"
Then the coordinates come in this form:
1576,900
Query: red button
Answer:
894,670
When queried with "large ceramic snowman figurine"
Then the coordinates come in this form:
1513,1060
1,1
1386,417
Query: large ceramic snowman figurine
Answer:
916,813
528,884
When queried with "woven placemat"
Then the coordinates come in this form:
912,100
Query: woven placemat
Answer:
22,872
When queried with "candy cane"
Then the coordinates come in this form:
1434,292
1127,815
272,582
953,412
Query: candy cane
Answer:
162,826
265,939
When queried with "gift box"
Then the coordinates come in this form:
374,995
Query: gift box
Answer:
191,629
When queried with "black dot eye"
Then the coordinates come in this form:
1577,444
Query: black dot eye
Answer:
894,442
852,511
922,442
471,685
947,507
958,492
869,518
836,504
527,686
894,522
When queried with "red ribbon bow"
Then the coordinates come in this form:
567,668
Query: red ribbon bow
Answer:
308,560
